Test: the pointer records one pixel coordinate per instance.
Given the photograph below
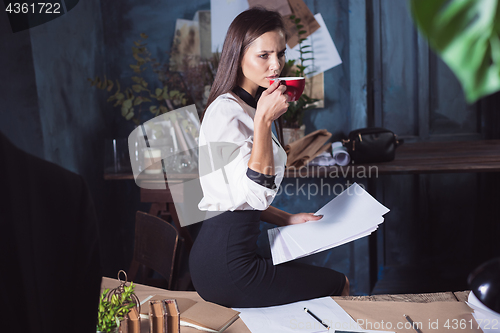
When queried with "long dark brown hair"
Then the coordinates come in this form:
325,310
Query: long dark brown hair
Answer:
245,28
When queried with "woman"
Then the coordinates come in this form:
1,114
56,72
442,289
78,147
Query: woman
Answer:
242,170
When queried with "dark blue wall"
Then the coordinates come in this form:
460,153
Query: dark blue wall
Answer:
20,119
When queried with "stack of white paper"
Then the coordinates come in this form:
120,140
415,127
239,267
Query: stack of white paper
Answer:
351,215
292,318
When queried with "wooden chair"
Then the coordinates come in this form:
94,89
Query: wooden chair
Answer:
156,248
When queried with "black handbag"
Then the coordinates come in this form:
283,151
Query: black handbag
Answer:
371,145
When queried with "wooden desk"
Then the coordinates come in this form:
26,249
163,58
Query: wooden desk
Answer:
423,157
238,326
411,158
457,296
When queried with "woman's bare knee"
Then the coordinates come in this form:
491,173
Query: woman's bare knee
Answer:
346,290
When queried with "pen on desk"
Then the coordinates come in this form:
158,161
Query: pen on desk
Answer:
415,327
315,317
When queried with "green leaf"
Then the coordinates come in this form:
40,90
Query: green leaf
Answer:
138,100
158,92
137,69
165,93
129,115
299,26
173,93
139,59
465,34
301,32
137,88
143,35
126,104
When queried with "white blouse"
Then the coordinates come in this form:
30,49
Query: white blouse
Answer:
225,141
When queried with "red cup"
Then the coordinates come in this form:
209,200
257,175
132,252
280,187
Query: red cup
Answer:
294,86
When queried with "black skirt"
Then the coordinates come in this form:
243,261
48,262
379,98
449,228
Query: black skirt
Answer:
225,268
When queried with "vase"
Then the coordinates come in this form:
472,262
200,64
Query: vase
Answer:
293,134
116,156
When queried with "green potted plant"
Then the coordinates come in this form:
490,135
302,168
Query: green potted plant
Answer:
113,307
133,98
293,128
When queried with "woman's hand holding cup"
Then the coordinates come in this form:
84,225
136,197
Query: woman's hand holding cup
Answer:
272,103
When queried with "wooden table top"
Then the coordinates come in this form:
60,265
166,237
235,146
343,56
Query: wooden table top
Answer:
457,296
143,291
411,158
422,157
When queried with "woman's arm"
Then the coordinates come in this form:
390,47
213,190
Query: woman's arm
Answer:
271,105
275,216
261,158
281,218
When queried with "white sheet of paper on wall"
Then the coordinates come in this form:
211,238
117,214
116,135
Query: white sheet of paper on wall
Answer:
281,6
223,13
325,53
186,44
203,18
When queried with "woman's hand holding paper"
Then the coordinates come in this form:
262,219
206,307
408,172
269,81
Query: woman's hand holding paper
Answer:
302,218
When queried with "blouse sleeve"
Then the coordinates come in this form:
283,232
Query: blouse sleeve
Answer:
228,133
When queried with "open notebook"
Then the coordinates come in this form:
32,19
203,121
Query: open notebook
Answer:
351,215
204,316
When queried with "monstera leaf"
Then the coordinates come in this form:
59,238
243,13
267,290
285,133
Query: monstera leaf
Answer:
465,34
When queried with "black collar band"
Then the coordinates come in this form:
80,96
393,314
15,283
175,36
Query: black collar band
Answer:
245,96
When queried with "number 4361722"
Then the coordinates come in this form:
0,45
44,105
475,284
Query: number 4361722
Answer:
34,8
462,324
